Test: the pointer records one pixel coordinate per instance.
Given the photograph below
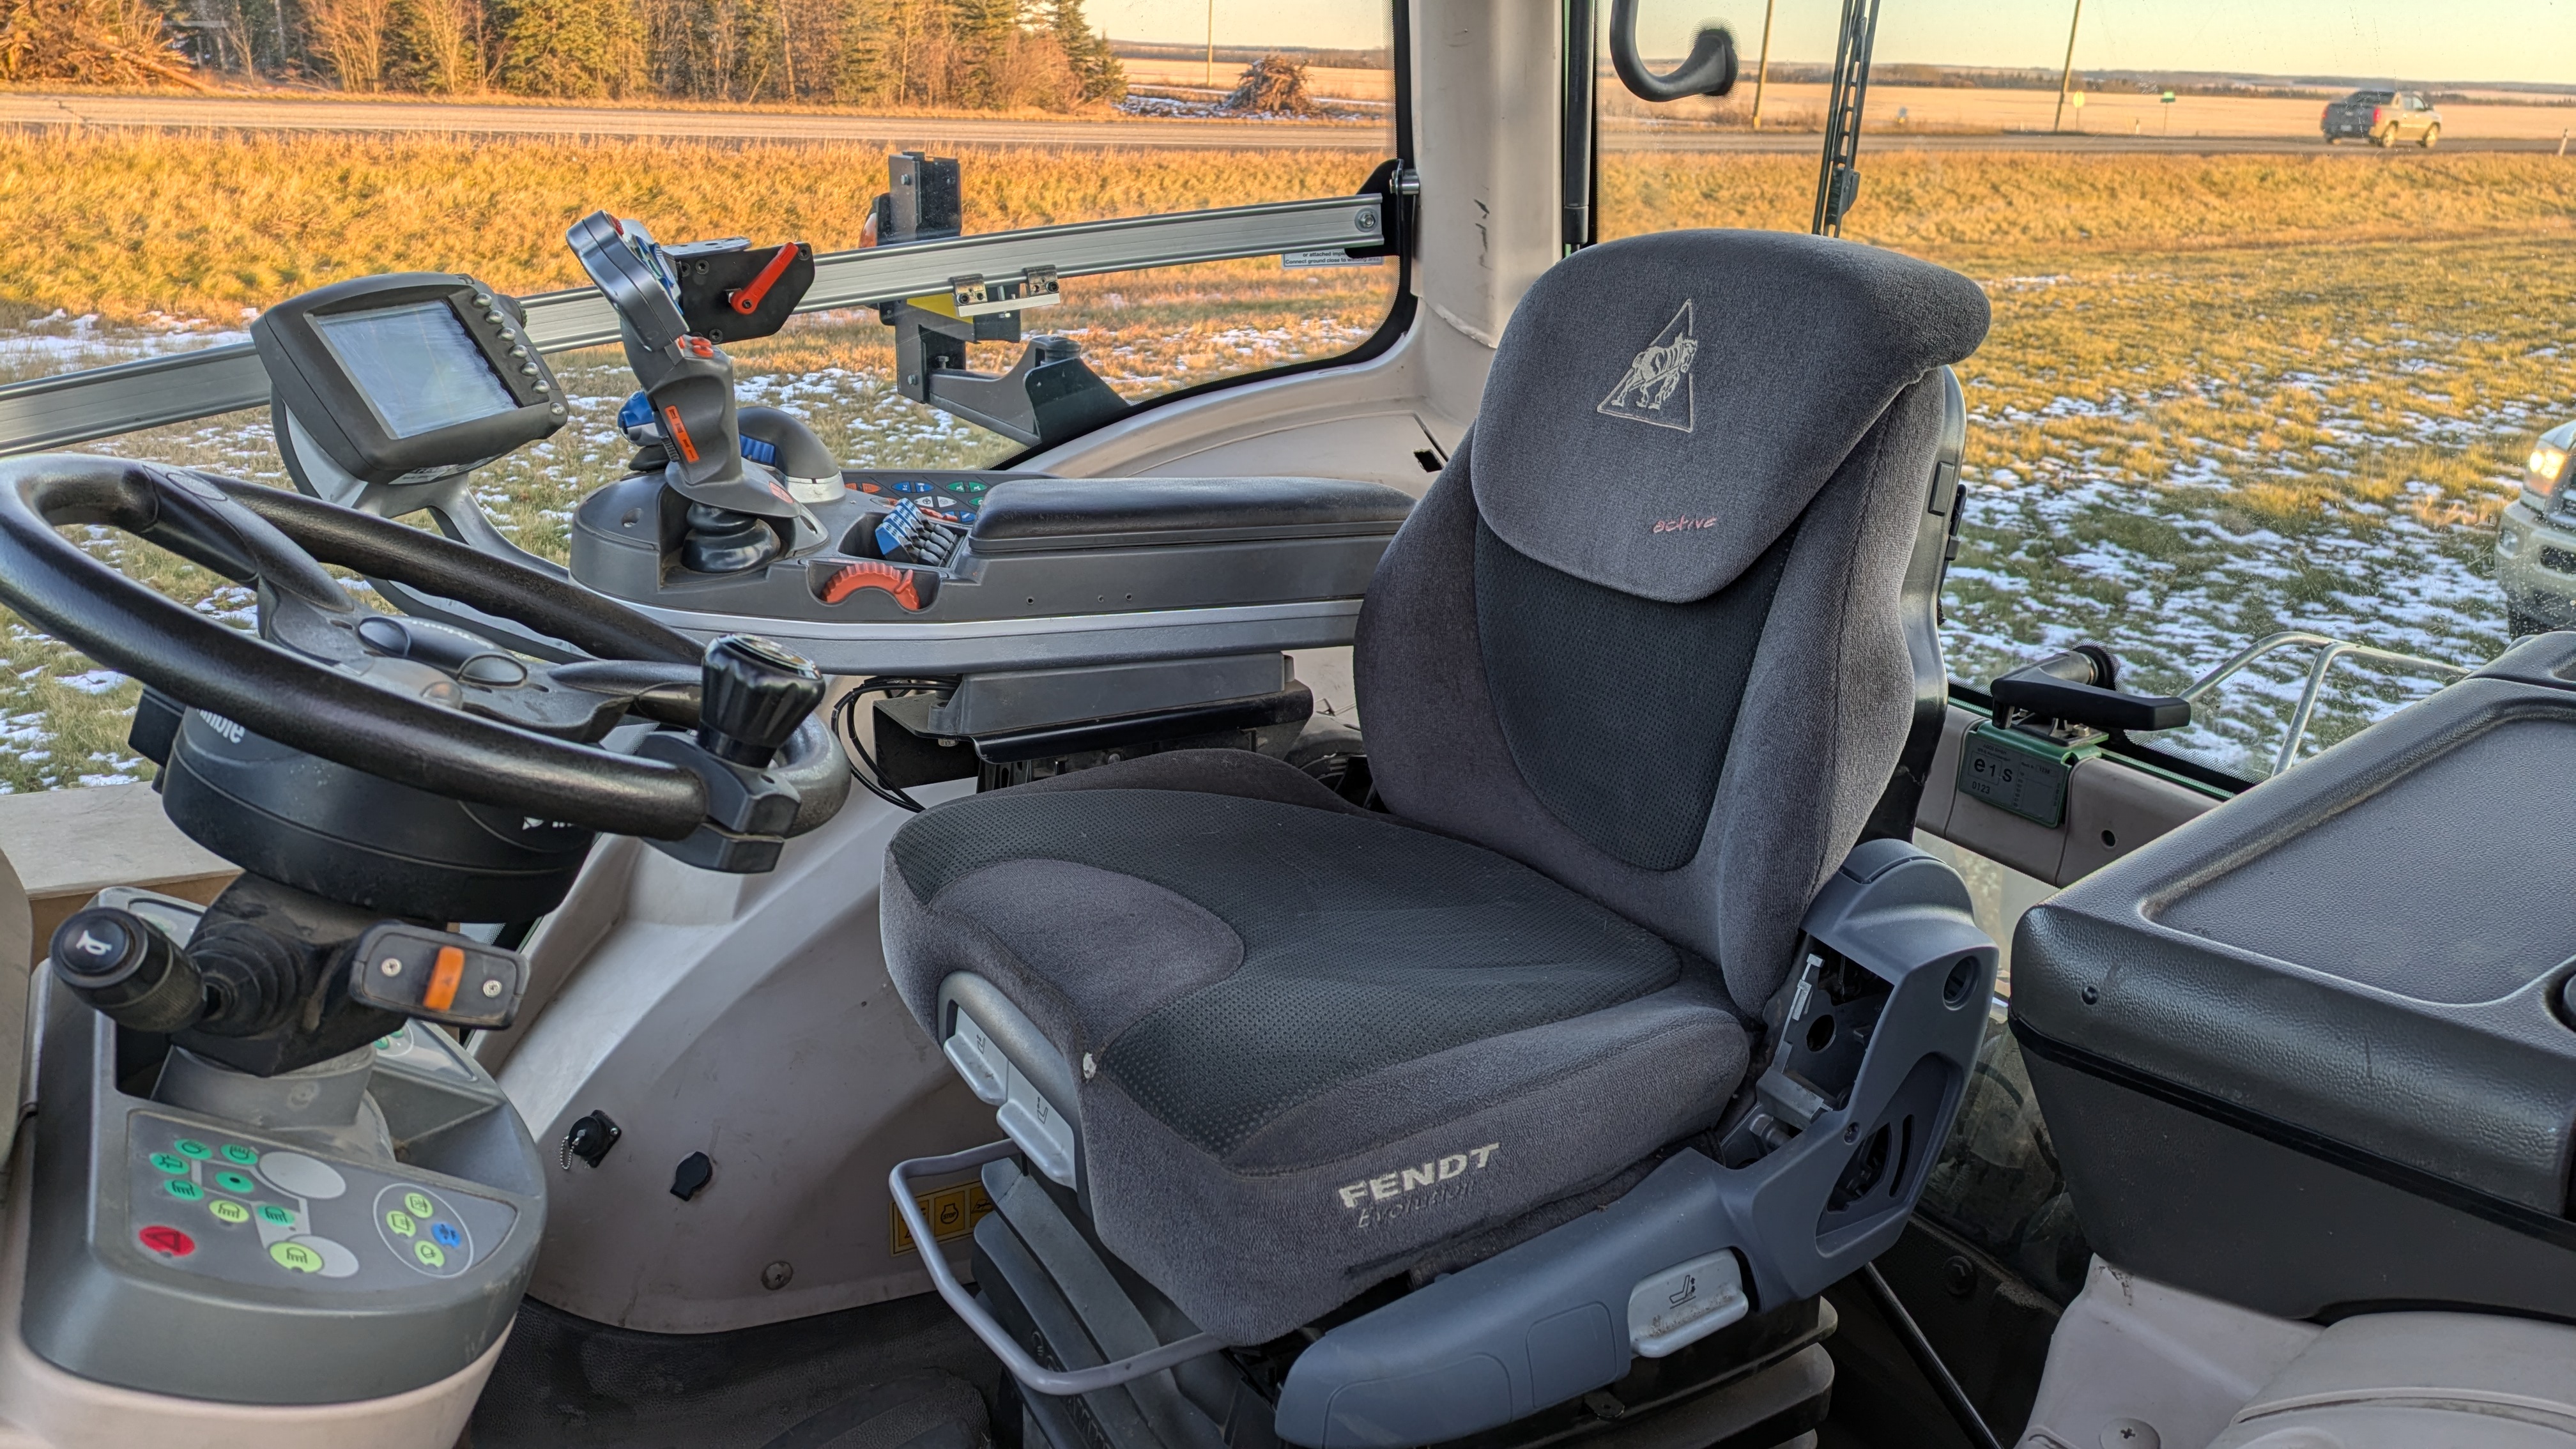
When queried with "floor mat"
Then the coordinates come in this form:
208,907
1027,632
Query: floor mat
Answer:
900,1375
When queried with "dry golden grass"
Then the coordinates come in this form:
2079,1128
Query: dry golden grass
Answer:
2222,394
1970,208
204,225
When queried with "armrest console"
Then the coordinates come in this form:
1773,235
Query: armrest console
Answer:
1057,515
1030,572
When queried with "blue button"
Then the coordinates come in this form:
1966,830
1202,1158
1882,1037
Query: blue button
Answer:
446,1234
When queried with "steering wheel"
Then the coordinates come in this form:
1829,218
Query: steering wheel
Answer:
414,703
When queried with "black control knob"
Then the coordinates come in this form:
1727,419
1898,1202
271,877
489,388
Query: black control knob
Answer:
136,976
753,696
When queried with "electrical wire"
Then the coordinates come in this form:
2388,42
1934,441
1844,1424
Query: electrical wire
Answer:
1927,1359
845,724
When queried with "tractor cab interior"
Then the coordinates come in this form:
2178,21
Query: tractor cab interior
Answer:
1411,898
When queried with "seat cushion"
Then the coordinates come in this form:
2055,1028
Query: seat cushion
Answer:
1313,1043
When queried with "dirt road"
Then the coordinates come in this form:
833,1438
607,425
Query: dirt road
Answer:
2108,115
2108,124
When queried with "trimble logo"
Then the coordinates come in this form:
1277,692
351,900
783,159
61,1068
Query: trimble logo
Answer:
222,726
1404,1190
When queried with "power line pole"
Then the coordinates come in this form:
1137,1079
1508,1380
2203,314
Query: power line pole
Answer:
1207,77
1762,71
2066,78
787,46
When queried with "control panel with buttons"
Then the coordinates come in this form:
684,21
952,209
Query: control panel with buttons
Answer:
1152,568
253,1210
956,497
177,1249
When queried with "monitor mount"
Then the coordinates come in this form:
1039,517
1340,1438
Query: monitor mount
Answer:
1050,394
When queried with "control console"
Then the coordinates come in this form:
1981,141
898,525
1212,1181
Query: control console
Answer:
227,1204
956,571
358,1227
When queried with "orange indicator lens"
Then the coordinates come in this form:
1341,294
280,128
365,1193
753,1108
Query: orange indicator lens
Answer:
444,977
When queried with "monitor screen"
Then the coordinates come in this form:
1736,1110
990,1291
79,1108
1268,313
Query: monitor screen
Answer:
416,366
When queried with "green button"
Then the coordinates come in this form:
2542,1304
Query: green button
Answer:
235,1182
235,1152
419,1205
401,1223
228,1211
297,1257
191,1147
184,1190
270,1212
429,1254
169,1162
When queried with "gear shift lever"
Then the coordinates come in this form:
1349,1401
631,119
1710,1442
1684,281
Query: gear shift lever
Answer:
753,695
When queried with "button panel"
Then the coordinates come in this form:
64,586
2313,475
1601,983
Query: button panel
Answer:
249,1211
958,498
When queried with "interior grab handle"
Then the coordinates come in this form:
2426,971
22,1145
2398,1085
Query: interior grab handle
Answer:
1709,70
1037,1377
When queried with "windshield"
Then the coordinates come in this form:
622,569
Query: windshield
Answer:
463,136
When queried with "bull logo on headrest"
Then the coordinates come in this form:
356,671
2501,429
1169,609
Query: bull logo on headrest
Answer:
1657,387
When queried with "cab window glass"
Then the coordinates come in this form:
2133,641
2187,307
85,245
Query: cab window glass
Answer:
2274,345
126,243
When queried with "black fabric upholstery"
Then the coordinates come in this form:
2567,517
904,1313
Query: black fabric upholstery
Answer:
1634,672
1285,1003
1364,943
1817,732
1618,710
1661,407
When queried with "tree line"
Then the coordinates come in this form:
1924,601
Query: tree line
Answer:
970,54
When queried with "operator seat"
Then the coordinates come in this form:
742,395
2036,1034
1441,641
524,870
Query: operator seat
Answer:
1632,677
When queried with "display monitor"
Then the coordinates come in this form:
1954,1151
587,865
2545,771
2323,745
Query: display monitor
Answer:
403,379
416,366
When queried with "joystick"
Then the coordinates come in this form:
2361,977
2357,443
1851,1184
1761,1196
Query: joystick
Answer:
741,513
122,965
753,695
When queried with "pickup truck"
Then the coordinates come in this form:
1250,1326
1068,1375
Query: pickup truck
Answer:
2383,118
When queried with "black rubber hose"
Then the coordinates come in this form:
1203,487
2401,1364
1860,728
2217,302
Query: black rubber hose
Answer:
1920,1349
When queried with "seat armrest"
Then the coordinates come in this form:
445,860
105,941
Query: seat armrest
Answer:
1056,515
1819,1177
1877,1036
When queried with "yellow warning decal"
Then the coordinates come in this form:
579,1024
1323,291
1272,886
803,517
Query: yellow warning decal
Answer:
953,1213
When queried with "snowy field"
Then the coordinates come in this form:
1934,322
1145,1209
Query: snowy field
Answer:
2171,455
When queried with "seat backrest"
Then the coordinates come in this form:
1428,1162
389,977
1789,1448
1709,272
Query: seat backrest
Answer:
1648,632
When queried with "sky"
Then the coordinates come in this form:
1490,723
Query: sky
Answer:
2414,40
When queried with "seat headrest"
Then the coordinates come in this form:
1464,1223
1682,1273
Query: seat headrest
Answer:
1662,408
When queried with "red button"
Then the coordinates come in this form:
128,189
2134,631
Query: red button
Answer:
169,1242
870,488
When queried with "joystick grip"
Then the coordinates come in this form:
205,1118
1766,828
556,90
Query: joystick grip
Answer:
754,694
134,975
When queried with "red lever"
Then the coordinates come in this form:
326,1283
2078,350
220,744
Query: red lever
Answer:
746,300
